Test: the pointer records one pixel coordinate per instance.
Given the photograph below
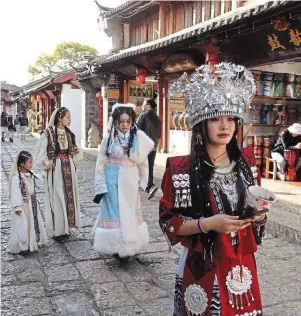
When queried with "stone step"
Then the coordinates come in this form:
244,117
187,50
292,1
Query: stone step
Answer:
288,206
285,225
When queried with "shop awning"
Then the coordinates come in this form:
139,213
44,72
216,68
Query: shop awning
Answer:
247,11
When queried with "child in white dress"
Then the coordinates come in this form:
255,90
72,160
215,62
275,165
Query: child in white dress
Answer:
27,230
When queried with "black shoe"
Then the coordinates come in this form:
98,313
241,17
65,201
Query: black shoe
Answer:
3,139
152,192
127,259
24,252
11,140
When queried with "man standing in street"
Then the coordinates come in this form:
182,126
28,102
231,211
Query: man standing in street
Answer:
150,123
17,125
23,125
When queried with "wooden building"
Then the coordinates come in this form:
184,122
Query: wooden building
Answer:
162,39
45,95
7,104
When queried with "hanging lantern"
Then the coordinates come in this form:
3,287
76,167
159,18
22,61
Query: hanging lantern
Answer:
39,99
141,75
33,99
100,98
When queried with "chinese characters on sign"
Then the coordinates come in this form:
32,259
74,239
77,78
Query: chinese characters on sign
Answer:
284,41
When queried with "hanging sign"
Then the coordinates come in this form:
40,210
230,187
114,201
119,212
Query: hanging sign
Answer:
283,38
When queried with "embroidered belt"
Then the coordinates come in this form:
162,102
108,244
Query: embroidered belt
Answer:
120,162
62,153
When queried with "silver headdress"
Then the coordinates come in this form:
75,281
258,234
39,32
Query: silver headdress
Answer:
209,93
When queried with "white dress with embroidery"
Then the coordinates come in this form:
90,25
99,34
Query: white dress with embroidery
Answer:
55,195
119,228
23,235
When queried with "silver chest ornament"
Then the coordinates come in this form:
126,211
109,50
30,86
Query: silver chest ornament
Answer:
182,190
238,282
196,300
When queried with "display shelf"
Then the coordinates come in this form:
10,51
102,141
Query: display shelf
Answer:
276,98
266,125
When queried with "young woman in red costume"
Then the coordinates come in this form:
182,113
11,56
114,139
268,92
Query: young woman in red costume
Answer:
204,200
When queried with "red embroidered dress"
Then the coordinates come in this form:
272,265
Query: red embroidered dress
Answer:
231,274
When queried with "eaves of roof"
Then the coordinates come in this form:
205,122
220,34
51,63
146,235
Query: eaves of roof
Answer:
123,7
42,83
247,11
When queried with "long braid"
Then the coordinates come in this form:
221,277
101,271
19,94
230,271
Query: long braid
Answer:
133,131
67,129
57,144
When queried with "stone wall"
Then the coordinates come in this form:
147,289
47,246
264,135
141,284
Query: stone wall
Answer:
90,110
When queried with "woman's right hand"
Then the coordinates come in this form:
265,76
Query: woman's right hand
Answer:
49,167
225,224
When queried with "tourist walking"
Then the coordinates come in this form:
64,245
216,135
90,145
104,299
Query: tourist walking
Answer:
150,123
27,230
56,153
10,128
17,125
23,125
121,173
204,199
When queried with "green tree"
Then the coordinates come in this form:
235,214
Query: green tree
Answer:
65,55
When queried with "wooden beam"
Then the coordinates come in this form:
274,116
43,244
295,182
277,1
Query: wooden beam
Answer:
162,25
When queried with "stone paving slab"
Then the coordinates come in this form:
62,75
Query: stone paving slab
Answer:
71,279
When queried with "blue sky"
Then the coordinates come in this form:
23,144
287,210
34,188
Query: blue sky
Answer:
31,27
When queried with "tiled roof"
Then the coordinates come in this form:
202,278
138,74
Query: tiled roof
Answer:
38,84
125,6
247,11
7,86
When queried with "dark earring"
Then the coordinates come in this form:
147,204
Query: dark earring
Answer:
199,138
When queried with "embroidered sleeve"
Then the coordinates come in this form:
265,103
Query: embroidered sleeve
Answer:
16,196
143,173
100,178
40,156
170,221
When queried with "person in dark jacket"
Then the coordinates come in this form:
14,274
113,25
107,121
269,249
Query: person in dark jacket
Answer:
10,127
4,129
150,123
289,139
23,125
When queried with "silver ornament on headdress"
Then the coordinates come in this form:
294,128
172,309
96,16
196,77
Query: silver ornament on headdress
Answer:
211,93
124,116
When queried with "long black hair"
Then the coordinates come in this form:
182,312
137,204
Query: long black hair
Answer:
201,173
23,156
61,113
133,130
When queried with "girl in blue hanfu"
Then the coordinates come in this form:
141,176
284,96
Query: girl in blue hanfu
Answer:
27,230
121,173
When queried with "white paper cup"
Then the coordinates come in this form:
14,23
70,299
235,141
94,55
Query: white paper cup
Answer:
260,198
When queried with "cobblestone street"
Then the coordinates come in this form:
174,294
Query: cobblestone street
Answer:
70,278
